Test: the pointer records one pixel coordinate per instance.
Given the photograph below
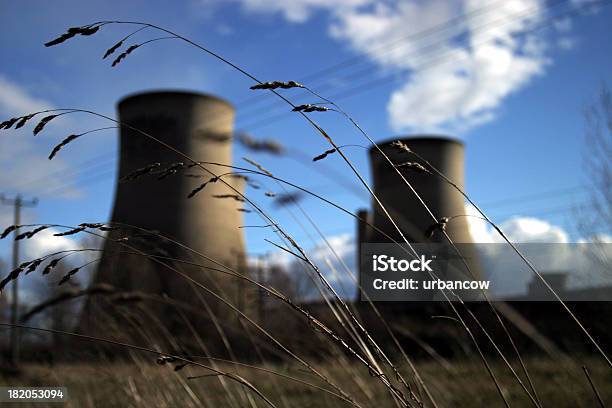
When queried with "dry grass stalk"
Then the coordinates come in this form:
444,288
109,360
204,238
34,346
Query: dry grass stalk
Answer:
329,139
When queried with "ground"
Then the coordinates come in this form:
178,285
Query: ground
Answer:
463,383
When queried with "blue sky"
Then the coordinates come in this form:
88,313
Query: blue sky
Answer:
512,93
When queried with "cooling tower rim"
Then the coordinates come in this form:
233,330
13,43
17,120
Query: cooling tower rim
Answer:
418,138
169,92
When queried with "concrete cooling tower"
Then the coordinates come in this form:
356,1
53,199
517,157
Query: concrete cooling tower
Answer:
200,126
447,155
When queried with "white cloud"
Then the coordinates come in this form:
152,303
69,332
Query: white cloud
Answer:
24,166
533,230
298,11
480,230
517,229
455,78
44,243
15,101
453,87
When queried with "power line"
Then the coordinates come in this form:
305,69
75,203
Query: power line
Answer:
547,211
350,62
96,161
90,180
353,91
252,101
532,197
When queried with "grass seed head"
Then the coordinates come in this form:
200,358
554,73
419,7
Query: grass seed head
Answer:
401,146
124,54
283,200
440,226
414,166
8,230
63,143
37,230
33,265
309,108
22,236
68,275
259,166
234,196
201,187
72,32
14,274
51,265
23,120
94,225
140,172
197,190
268,145
277,84
70,232
43,122
170,170
7,124
88,30
324,155
112,49
60,39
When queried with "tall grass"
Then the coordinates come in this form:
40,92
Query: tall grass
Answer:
354,370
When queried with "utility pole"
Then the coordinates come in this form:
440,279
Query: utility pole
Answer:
18,202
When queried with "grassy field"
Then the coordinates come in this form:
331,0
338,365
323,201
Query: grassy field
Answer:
147,384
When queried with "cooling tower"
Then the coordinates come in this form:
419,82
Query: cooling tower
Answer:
199,126
443,200
447,155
